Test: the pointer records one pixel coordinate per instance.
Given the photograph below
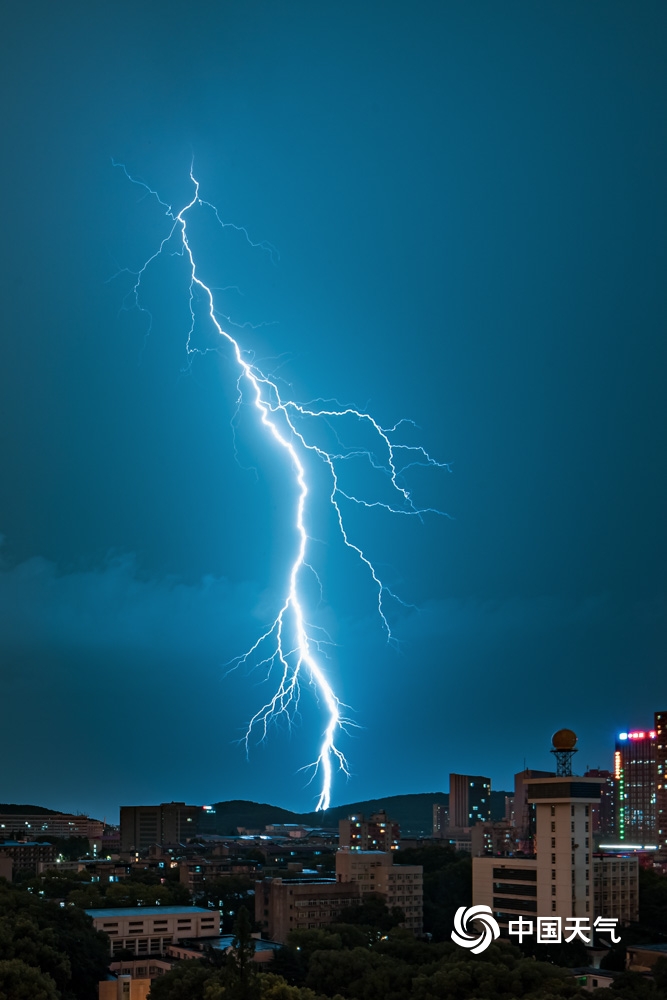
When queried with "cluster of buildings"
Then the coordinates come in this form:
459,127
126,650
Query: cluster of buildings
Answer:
567,847
570,846
630,812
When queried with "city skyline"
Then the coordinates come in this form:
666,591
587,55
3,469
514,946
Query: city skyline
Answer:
465,217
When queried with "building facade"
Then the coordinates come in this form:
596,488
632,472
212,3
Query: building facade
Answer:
660,726
375,834
58,826
469,800
375,874
635,772
603,815
440,819
288,904
149,930
28,855
168,823
564,878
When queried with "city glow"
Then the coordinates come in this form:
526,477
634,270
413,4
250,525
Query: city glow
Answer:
290,644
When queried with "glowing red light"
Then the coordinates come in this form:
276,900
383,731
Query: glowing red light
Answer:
639,734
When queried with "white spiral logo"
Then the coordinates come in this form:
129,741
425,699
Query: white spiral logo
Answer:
482,915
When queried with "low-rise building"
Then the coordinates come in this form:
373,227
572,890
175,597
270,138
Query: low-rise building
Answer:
286,904
27,855
20,821
616,887
399,886
123,988
196,871
374,834
149,930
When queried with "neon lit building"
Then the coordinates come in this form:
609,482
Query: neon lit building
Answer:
635,772
661,780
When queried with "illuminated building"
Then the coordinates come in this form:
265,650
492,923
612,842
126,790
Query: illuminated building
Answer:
661,780
375,874
47,824
469,800
558,880
563,878
168,823
375,834
635,772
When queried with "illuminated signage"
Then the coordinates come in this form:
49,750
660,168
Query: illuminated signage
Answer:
638,734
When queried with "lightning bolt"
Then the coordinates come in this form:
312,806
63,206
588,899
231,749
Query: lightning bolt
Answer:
290,643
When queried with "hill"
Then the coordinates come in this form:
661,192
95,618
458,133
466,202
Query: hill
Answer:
414,813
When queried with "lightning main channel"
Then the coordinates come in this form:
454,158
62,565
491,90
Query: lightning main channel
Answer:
290,643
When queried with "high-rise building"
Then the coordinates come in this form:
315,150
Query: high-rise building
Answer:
603,815
375,834
635,772
469,800
168,823
440,819
563,878
661,780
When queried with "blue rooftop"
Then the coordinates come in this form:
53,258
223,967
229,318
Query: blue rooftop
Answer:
149,911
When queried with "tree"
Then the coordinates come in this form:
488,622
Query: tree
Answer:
226,893
20,981
187,981
61,942
244,950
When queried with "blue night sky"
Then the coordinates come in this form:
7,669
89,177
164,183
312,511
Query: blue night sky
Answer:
469,205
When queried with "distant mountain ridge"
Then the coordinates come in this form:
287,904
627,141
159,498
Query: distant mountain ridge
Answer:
13,808
414,812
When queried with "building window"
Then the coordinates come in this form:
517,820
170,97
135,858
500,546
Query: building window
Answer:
553,874
553,859
553,905
553,810
553,841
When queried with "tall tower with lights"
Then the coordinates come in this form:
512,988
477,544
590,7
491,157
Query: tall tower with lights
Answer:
661,780
636,772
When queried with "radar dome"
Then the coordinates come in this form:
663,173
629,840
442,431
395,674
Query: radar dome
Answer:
564,739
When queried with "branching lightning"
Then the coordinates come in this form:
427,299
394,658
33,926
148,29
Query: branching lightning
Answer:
289,642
